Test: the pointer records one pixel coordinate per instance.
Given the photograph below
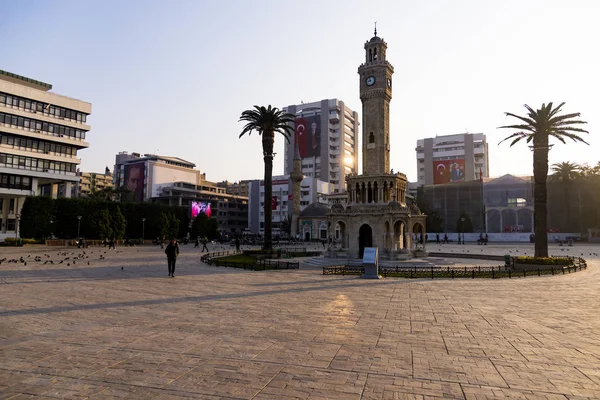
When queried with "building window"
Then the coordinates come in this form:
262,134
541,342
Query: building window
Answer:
371,137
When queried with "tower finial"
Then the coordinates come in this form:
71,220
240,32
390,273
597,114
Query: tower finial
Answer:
375,28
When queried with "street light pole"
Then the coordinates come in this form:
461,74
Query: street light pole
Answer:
17,216
143,229
78,225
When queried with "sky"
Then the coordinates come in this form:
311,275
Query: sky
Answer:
172,77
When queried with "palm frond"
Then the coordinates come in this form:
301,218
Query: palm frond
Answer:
528,121
520,136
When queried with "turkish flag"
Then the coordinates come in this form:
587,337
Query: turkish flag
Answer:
274,203
302,136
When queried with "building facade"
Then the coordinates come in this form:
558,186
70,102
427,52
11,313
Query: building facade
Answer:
174,181
40,135
91,182
230,211
452,158
236,188
311,191
144,176
327,136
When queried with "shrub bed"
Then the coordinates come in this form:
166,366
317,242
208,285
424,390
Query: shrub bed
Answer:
13,241
543,260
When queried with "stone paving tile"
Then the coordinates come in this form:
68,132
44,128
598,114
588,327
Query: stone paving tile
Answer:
387,388
96,331
473,370
311,383
494,393
373,359
549,378
222,377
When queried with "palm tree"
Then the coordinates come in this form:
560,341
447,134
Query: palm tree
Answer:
538,126
566,172
267,121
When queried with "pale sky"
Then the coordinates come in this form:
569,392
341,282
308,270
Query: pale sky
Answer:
173,77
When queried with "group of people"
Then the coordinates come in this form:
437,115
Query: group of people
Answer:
483,239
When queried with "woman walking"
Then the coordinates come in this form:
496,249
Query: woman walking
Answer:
172,251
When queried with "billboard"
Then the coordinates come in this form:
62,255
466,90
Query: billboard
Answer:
448,171
134,179
308,135
200,207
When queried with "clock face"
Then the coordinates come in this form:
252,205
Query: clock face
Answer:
389,82
370,80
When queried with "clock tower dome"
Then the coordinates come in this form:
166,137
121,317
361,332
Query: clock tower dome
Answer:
376,93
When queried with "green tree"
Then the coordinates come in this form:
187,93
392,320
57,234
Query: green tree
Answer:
537,127
164,222
435,223
173,225
566,173
466,225
267,121
202,226
118,223
36,217
101,224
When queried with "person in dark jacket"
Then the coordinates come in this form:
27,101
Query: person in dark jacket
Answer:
172,251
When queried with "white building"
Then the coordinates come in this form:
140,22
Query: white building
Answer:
40,134
146,175
327,133
452,158
311,191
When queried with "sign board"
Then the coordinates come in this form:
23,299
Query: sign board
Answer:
371,263
370,255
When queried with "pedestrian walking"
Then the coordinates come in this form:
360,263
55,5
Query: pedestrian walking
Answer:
197,243
172,251
437,238
204,242
237,244
458,238
445,238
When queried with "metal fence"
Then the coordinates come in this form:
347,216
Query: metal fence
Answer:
260,265
456,273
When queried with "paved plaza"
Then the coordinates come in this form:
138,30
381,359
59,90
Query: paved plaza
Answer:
115,326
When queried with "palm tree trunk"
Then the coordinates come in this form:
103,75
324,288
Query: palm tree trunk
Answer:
566,193
540,195
268,141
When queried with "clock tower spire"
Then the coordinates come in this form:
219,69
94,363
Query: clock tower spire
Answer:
376,93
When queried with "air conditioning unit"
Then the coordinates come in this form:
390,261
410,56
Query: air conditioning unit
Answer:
61,135
45,170
38,131
46,152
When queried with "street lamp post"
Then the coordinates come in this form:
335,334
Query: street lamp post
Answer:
17,216
143,229
462,226
78,225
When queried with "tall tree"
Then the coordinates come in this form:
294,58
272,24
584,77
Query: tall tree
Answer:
267,121
565,173
537,127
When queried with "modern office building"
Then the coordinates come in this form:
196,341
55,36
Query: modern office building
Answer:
327,134
311,191
452,158
145,175
92,182
174,181
40,134
236,188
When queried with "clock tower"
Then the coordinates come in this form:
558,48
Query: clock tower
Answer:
375,93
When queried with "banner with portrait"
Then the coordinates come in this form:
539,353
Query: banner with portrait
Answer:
448,171
134,179
308,135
